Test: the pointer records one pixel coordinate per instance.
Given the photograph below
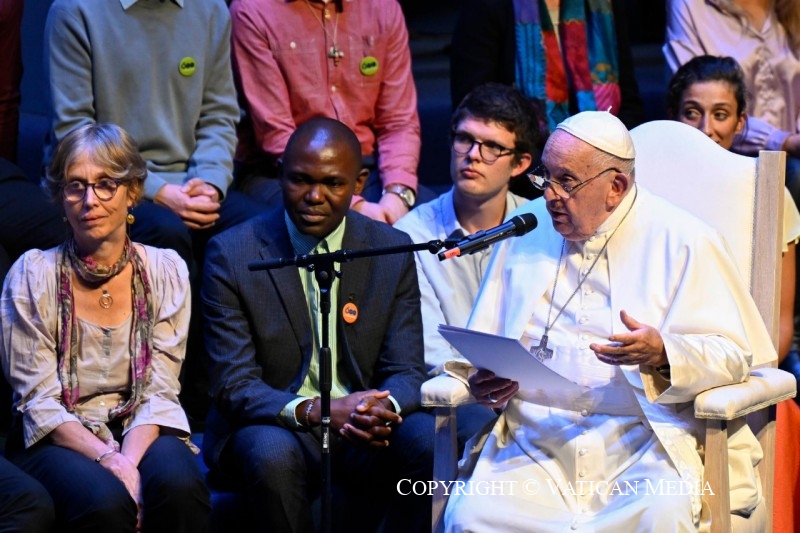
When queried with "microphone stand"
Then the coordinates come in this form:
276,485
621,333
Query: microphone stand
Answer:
323,267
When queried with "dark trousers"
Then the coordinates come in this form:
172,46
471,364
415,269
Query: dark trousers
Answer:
89,498
25,505
279,471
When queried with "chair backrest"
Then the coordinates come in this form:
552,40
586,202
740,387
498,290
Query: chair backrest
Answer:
742,197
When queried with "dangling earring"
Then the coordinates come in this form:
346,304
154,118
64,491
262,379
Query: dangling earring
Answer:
130,219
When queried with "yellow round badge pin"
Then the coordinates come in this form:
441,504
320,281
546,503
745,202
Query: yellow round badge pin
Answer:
350,312
187,66
369,66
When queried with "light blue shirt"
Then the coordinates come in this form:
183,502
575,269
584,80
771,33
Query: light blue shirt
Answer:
447,288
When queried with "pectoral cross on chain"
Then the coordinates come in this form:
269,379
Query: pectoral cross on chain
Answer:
542,352
335,54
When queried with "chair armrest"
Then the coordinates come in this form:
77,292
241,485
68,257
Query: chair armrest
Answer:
445,391
766,386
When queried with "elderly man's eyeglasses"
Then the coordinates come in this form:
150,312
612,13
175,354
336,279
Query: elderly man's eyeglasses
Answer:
104,189
541,179
490,151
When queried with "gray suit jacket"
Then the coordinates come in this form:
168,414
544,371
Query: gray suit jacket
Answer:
258,331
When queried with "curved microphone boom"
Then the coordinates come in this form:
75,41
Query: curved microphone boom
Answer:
516,226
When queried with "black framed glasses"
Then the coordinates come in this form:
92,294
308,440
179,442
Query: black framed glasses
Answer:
489,151
541,179
104,189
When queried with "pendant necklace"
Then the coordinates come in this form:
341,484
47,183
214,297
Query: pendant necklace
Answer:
105,300
96,275
541,351
333,52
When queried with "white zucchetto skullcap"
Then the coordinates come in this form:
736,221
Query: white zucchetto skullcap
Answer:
602,130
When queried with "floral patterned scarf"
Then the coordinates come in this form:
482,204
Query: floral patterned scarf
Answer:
68,348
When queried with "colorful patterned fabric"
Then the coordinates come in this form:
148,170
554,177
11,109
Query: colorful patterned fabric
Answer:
585,63
68,348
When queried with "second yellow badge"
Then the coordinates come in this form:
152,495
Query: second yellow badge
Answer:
187,66
369,66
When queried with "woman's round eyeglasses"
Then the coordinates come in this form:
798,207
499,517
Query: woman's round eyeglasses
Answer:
104,189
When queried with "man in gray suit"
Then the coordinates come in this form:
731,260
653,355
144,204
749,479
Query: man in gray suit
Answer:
263,334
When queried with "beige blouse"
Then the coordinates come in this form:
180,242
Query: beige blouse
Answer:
28,318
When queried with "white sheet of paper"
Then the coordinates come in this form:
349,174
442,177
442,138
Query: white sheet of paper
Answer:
507,358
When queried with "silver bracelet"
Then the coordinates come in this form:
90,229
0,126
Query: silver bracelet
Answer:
105,455
309,407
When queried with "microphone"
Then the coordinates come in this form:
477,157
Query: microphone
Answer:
519,225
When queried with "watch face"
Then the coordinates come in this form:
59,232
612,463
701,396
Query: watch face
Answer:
406,194
409,197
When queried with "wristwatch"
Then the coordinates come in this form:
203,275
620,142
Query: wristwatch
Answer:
406,194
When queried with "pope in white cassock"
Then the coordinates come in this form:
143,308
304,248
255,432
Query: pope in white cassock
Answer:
639,303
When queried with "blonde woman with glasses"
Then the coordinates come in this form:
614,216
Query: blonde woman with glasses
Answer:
92,338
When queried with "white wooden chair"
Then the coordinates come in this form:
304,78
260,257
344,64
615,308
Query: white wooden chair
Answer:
743,198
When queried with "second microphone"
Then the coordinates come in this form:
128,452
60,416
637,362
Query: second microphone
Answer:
516,226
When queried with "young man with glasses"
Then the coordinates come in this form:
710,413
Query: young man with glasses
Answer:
494,138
